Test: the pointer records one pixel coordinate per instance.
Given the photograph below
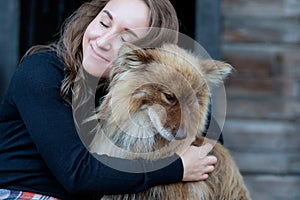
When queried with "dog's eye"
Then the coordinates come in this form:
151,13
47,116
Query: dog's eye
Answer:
170,99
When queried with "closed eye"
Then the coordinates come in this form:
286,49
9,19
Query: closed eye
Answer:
106,19
103,24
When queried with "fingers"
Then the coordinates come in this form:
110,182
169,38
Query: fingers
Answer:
203,177
211,160
206,165
197,164
208,169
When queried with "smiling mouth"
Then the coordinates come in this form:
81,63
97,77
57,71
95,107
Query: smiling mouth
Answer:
98,55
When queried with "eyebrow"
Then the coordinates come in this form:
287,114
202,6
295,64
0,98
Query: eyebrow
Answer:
108,14
126,29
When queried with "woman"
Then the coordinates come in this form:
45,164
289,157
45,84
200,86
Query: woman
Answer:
41,153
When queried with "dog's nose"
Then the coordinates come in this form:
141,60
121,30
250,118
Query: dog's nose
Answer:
180,134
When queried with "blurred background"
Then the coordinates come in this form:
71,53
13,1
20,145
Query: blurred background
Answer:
260,38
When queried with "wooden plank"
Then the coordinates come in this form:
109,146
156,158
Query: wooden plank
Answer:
291,60
263,108
261,30
256,135
261,8
275,163
273,187
250,87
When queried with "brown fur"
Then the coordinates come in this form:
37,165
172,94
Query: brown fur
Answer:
161,97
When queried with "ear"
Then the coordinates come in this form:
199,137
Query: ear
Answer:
127,48
215,71
130,57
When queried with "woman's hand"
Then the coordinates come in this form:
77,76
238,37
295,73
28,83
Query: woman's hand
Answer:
196,163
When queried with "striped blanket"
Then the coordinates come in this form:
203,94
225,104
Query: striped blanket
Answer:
6,194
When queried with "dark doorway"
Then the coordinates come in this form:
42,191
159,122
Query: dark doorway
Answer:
41,20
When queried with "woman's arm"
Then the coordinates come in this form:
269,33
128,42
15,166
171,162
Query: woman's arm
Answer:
36,93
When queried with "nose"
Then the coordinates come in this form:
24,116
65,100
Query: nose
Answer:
180,134
105,41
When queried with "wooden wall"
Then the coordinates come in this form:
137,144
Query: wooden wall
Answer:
261,39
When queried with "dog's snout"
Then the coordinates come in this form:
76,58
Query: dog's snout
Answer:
180,134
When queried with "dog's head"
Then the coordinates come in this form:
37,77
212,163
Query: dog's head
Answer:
167,88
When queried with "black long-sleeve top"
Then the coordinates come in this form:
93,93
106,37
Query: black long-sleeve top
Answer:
40,150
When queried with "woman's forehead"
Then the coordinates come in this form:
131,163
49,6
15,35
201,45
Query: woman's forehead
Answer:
132,13
131,16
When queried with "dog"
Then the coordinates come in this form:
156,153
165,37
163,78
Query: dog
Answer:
157,104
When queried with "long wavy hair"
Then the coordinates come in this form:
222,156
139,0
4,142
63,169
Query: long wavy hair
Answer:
69,46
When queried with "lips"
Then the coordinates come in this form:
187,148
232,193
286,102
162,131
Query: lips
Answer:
99,56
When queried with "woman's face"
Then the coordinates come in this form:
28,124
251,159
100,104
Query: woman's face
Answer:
120,21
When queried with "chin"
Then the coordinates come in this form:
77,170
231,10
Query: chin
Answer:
96,70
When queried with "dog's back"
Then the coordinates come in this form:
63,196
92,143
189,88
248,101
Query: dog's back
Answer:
224,183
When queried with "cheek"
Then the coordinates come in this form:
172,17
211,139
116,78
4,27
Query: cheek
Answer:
91,64
85,44
91,33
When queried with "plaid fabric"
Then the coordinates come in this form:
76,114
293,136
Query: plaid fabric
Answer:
20,195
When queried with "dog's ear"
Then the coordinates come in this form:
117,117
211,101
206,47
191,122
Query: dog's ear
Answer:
215,71
127,48
130,57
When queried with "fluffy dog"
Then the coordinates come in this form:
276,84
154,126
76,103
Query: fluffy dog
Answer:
158,104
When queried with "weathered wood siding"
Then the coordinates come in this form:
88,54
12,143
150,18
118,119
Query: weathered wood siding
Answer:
261,39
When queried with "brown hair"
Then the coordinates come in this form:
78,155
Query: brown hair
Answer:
69,46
